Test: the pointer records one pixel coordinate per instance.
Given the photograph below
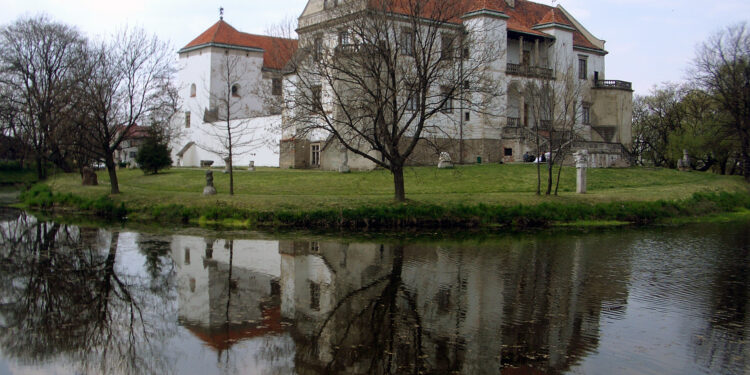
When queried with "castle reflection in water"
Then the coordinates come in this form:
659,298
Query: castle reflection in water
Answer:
84,300
361,308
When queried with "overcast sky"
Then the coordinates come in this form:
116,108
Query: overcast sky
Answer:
649,41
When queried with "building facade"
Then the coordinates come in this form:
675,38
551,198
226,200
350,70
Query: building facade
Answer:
230,78
537,46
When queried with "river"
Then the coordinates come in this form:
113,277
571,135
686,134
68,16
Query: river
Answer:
92,300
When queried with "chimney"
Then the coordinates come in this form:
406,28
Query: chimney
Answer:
511,3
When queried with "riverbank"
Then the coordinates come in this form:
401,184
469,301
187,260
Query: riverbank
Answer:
465,197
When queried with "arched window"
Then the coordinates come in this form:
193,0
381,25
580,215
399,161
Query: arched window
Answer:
192,90
236,90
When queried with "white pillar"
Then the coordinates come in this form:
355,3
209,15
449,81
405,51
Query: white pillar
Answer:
581,157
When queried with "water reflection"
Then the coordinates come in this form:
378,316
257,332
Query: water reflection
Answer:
80,300
66,299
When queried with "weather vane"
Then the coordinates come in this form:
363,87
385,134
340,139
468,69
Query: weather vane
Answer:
221,13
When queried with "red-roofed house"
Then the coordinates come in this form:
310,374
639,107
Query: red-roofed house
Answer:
256,75
536,42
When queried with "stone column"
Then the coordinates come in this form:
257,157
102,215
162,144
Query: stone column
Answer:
581,157
344,167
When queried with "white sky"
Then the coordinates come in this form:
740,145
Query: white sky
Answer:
650,41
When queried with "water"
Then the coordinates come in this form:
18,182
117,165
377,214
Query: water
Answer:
78,300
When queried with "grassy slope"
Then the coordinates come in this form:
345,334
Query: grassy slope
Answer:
270,188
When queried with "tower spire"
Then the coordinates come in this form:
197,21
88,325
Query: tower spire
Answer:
221,13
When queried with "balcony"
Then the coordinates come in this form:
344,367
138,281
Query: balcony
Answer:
613,84
347,49
529,71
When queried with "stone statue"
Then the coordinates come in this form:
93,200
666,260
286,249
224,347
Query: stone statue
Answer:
445,162
344,168
684,163
89,177
209,189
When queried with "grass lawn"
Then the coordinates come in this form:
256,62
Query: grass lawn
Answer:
268,189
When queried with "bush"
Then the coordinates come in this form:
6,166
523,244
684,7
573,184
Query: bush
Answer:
153,156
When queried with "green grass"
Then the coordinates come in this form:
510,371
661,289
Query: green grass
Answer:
271,189
468,196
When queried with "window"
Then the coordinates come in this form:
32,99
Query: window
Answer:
187,255
192,90
187,119
467,85
467,116
407,42
446,52
465,53
315,155
314,247
276,86
447,99
316,98
318,49
132,154
344,38
236,90
412,102
582,68
314,296
586,114
508,151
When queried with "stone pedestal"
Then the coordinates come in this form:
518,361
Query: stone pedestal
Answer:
581,158
209,189
344,167
226,165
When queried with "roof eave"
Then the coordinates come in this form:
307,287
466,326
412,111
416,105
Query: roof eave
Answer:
553,24
589,49
486,13
220,45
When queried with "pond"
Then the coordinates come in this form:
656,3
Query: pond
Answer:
87,300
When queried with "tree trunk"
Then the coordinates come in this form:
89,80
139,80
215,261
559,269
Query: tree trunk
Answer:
231,177
111,168
549,175
559,172
398,183
41,172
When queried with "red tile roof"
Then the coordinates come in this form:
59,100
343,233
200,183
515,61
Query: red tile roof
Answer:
278,51
522,17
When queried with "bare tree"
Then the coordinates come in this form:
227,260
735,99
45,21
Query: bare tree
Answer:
39,59
130,77
394,80
230,117
556,106
722,67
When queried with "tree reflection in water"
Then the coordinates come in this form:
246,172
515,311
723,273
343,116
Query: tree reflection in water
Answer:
541,304
63,295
